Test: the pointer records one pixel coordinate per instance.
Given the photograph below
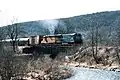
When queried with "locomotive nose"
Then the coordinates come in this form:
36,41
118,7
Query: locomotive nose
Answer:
78,38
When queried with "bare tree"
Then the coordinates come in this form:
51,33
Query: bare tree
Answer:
2,37
4,60
94,42
117,44
9,65
13,32
117,38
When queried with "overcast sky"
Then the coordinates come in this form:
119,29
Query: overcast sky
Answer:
30,10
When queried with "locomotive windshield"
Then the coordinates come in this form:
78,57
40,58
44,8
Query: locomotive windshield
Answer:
71,38
67,38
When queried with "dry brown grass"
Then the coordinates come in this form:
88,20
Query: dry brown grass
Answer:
107,57
37,68
45,68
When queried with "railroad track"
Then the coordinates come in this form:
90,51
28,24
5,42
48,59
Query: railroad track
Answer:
53,49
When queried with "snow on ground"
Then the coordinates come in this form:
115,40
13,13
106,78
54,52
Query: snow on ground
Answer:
93,74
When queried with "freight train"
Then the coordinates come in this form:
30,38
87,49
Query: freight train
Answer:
74,38
49,44
52,44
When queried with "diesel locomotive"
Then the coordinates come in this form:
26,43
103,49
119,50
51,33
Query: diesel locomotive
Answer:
74,38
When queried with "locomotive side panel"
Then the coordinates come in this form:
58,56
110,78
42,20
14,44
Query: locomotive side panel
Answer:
51,39
56,39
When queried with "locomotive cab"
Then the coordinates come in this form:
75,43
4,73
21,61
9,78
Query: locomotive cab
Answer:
72,38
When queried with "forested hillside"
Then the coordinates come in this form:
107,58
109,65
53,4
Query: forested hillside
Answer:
103,19
108,24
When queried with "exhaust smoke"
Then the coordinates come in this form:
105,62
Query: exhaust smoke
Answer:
50,25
